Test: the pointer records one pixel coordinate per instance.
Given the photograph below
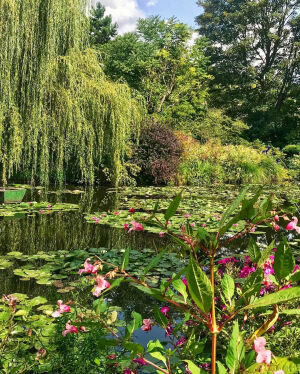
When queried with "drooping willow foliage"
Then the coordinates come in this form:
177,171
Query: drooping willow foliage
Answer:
59,116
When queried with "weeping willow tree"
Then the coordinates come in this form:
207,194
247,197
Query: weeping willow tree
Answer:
59,115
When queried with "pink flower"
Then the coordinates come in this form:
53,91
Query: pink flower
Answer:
279,372
161,234
126,226
49,206
192,224
83,329
116,213
147,325
42,211
88,268
165,310
276,218
131,210
246,271
259,344
181,342
136,226
187,216
253,229
94,218
70,329
293,225
264,356
63,308
184,281
276,227
203,225
102,284
235,225
140,361
169,329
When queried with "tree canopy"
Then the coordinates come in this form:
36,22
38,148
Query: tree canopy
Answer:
59,115
254,51
102,28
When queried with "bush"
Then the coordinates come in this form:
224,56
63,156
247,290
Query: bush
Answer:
158,155
212,162
291,149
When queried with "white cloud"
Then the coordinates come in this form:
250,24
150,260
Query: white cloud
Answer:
152,3
124,12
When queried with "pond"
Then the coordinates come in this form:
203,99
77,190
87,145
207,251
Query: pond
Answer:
42,245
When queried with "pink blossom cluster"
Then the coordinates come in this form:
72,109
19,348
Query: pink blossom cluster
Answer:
63,308
135,226
293,225
263,355
71,329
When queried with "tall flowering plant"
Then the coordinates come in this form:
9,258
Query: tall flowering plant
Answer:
210,295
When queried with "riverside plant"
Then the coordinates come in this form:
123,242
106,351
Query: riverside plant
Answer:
209,297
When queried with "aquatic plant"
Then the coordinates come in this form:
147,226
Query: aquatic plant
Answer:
60,118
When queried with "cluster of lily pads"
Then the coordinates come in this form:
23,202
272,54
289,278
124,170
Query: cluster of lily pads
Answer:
32,207
57,267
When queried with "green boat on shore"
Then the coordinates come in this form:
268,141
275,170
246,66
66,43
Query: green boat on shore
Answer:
9,195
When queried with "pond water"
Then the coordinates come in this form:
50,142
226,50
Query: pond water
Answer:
43,232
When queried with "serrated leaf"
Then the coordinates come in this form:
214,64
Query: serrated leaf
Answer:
199,286
172,209
253,250
232,352
221,368
228,287
284,261
276,298
180,287
266,254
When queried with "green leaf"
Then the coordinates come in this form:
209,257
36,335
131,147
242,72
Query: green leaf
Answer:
194,368
228,287
233,206
173,207
156,207
276,298
221,368
135,324
253,250
266,254
156,350
180,287
252,286
284,261
232,352
125,260
37,301
134,348
155,261
289,365
295,277
199,286
160,318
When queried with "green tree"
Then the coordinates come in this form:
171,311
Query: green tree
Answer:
254,51
159,61
102,29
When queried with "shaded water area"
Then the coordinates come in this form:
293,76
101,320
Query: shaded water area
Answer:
39,232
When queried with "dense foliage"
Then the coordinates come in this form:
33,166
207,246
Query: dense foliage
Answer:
254,52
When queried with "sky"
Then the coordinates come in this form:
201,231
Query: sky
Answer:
127,12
